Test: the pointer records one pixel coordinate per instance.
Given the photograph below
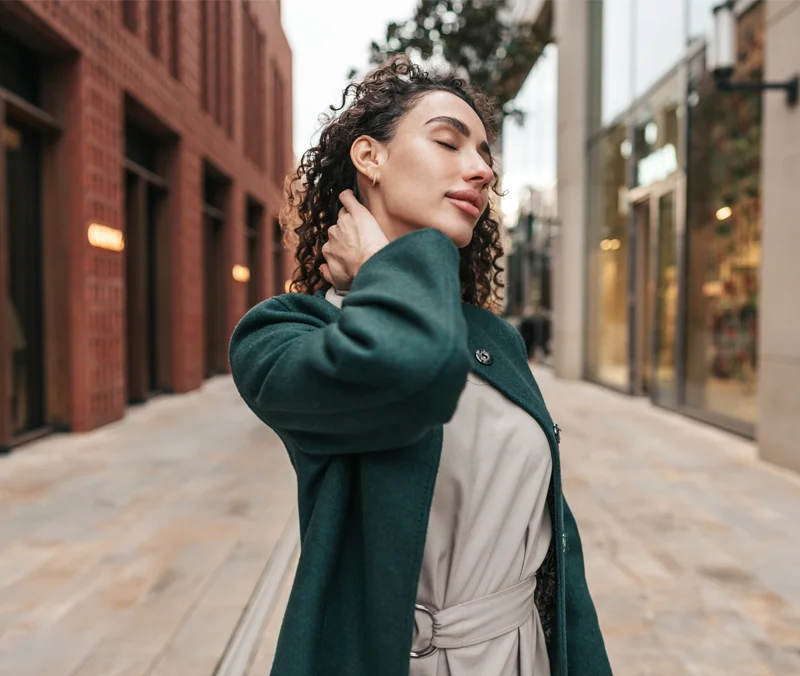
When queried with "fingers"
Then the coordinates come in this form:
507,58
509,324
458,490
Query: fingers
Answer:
348,199
326,273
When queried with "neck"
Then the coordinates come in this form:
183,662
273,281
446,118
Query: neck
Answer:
391,227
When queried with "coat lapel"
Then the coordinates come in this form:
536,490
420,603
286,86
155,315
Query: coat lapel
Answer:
497,358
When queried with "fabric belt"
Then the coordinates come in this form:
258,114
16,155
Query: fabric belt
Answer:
475,621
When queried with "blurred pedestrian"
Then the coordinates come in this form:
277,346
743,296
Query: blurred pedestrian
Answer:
435,536
527,329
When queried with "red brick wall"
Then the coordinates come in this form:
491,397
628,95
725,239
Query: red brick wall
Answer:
110,62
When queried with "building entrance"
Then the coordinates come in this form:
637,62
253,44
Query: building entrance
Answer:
146,267
25,302
655,292
215,272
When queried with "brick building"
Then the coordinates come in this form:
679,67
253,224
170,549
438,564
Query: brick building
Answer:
142,154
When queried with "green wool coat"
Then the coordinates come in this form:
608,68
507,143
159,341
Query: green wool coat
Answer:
359,397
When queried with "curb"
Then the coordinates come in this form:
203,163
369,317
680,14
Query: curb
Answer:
244,642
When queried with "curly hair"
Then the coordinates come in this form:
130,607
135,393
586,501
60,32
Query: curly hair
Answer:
373,107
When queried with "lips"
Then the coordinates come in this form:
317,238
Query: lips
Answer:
470,202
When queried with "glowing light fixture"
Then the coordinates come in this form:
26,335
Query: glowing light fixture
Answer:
721,57
610,244
241,273
103,237
724,213
651,133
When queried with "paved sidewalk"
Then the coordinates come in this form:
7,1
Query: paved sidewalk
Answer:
692,544
133,550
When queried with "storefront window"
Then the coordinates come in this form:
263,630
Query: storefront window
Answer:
617,57
656,144
724,235
636,42
666,299
607,284
659,41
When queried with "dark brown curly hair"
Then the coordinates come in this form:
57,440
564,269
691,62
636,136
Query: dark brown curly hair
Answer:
373,107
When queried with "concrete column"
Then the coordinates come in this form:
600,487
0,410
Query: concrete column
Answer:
779,316
569,260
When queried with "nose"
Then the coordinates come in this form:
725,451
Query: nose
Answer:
479,172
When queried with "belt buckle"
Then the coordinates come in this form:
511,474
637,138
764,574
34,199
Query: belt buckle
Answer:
431,648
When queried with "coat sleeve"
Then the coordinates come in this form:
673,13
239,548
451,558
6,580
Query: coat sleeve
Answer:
389,367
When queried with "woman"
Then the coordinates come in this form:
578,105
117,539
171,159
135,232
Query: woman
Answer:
430,503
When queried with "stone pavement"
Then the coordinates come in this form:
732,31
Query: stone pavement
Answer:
692,544
134,549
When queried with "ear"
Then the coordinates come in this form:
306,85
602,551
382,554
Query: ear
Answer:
367,156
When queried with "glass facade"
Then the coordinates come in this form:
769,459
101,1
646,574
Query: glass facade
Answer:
636,43
724,234
608,252
674,214
529,179
666,301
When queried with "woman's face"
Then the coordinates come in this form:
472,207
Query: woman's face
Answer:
435,172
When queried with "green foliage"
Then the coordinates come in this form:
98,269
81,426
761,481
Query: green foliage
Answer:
475,37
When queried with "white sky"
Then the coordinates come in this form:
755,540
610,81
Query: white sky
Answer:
327,39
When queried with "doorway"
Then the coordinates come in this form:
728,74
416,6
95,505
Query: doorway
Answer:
23,147
215,196
144,203
655,293
254,228
643,285
146,266
666,303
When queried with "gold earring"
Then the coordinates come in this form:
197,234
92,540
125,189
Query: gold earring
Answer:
374,179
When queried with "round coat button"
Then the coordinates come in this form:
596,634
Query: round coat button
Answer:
484,357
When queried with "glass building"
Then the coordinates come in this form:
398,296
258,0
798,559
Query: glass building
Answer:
666,243
674,216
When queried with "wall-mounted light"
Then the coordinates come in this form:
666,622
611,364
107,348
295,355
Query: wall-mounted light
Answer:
241,273
103,237
651,133
610,244
722,57
724,213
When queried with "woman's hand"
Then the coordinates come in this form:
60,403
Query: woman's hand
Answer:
351,241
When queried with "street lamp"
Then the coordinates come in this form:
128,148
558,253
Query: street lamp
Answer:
723,57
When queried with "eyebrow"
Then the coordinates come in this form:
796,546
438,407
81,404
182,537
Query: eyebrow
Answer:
461,128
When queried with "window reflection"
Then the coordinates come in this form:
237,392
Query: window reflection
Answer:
659,39
637,42
666,299
617,57
724,234
607,344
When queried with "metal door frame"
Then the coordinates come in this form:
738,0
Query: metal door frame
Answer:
652,194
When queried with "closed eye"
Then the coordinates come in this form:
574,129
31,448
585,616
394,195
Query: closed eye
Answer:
446,145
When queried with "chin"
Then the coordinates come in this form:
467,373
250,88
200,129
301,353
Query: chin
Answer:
460,233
